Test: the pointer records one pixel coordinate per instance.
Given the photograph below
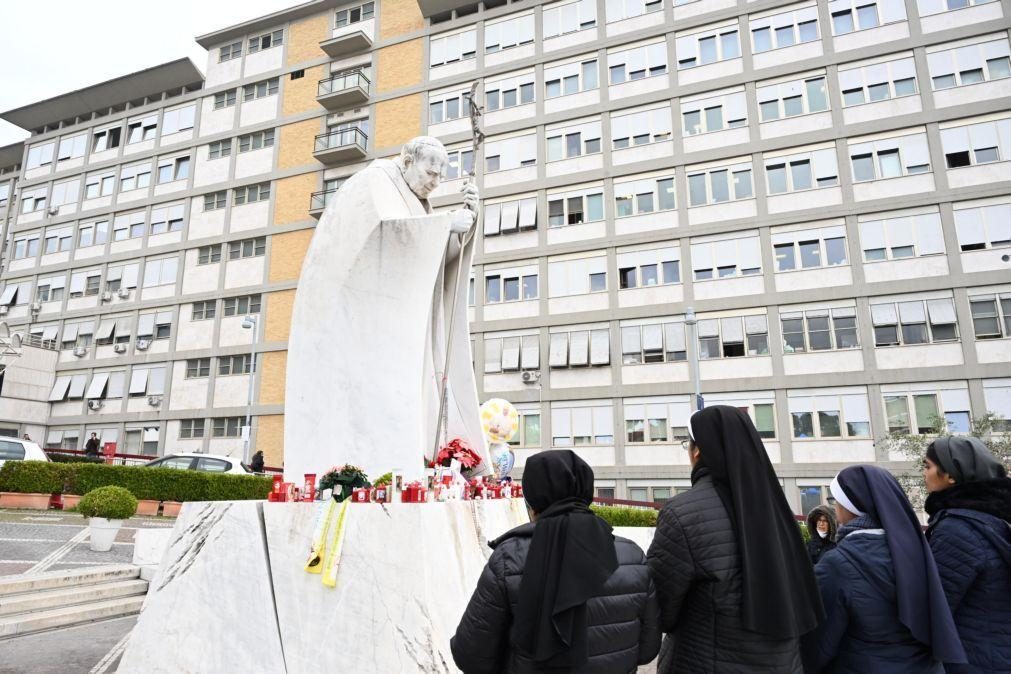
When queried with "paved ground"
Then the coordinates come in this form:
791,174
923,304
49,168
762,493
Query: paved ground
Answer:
86,649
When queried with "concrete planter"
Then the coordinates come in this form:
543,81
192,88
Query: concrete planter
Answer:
147,507
171,508
10,499
70,501
103,533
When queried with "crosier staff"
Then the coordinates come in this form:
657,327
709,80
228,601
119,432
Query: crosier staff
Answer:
464,232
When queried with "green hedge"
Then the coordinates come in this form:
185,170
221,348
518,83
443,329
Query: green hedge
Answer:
157,484
627,517
73,458
113,503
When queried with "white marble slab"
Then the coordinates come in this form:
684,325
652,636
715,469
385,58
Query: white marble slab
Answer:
150,545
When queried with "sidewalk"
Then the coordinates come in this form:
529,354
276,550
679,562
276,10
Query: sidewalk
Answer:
94,648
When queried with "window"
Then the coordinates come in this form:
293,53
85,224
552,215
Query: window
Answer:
34,199
129,226
86,283
819,330
580,348
575,207
655,420
256,141
203,311
576,426
247,248
508,33
784,29
982,227
250,194
890,157
446,107
853,15
918,409
229,52
191,428
40,155
970,64
512,153
509,217
444,50
973,144
219,149
573,141
238,364
726,258
829,414
209,254
997,393
511,353
509,92
106,139
790,99
637,63
640,127
93,234
51,289
225,99
570,78
227,427
529,433
877,82
618,10
135,177
716,185
930,7
733,337
156,325
577,276
709,47
66,192
27,246
58,240
801,171
645,268
914,321
639,197
266,41
215,200
178,119
714,113
241,306
167,218
810,248
346,17
662,342
568,17
262,89
510,286
161,272
141,129
5,193
113,331
198,367
99,185
170,170
901,236
991,315
77,334
459,165
72,147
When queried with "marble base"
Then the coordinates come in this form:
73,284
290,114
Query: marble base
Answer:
406,574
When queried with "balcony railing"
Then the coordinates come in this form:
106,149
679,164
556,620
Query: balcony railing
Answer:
343,81
319,200
343,145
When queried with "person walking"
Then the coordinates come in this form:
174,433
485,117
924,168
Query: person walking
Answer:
885,608
821,528
561,593
92,445
735,585
256,463
969,532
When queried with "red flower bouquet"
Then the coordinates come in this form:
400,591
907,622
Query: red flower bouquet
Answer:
459,450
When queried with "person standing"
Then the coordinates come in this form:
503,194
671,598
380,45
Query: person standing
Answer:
256,463
91,447
886,611
735,585
561,593
969,532
821,528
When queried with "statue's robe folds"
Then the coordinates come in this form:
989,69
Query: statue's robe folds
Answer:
368,335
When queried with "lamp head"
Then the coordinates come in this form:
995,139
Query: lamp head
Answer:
249,322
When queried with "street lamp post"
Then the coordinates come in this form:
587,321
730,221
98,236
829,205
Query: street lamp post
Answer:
693,354
250,323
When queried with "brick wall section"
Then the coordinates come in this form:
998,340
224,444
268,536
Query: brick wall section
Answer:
296,144
397,17
292,201
270,439
397,121
304,37
273,365
399,65
278,322
287,252
300,94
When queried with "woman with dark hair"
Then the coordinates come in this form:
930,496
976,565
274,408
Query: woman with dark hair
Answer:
562,593
970,510
735,584
821,528
885,609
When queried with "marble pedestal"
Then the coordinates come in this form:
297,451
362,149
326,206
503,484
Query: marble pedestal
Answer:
231,595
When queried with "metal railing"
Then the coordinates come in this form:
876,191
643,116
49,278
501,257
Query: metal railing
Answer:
342,81
319,200
338,139
39,343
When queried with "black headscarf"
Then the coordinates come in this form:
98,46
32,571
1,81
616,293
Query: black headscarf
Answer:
965,459
571,557
781,599
923,607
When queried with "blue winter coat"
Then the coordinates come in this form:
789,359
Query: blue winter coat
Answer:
862,633
973,554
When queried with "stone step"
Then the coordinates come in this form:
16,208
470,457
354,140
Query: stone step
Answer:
11,585
38,621
41,600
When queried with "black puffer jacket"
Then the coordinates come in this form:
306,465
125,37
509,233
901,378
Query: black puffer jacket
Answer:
697,570
623,619
816,545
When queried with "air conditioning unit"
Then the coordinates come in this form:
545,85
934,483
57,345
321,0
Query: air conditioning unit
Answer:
154,401
142,344
80,351
119,348
107,296
54,211
4,309
530,377
94,404
123,293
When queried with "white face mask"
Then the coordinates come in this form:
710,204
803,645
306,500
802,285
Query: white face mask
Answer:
823,534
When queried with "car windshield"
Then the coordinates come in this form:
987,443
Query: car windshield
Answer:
11,450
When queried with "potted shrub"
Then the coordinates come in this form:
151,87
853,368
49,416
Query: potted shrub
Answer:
106,508
30,484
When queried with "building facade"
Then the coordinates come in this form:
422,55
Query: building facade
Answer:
813,199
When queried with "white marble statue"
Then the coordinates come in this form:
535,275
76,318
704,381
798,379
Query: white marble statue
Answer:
370,325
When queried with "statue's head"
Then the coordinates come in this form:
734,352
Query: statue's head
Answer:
422,161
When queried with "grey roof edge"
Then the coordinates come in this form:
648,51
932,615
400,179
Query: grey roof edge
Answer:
150,81
11,154
209,40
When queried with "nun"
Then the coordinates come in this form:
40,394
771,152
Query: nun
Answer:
885,608
735,583
969,532
561,593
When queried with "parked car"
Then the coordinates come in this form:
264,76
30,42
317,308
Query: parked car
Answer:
211,463
12,449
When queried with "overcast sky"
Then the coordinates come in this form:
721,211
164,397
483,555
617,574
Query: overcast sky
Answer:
50,47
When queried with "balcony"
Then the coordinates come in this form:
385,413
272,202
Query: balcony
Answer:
319,201
343,90
352,42
339,147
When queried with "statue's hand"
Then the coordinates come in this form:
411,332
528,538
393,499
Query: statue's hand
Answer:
471,199
462,221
